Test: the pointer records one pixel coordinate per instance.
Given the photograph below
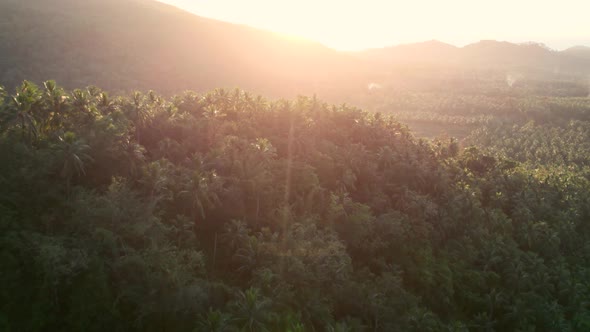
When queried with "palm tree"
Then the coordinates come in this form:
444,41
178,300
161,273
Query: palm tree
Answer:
105,104
214,321
157,180
54,99
20,111
85,112
200,187
134,155
140,114
251,310
81,100
72,154
249,254
290,322
252,170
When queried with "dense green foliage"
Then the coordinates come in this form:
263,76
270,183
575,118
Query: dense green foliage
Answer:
226,212
459,109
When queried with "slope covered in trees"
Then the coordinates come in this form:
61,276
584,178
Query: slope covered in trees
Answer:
122,45
225,211
144,44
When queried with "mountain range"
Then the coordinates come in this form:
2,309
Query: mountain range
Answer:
489,53
144,44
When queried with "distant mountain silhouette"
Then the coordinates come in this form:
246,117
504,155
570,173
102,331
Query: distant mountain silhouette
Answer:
429,52
144,44
578,51
486,54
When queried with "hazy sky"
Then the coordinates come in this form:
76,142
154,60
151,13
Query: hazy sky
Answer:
356,24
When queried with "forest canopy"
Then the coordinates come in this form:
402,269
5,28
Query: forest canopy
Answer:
226,211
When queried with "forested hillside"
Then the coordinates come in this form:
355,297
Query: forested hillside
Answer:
432,114
225,211
123,45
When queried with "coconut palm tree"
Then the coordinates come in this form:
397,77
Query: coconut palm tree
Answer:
54,99
73,155
252,310
134,155
104,103
84,111
20,111
140,114
200,186
214,321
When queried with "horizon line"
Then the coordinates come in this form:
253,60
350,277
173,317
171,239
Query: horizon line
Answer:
580,43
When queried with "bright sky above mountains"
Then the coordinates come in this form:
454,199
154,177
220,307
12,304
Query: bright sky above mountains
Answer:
359,24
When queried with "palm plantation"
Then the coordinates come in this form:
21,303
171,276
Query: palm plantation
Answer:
228,212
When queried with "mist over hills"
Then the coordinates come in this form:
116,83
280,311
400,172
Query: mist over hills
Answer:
578,51
486,54
144,44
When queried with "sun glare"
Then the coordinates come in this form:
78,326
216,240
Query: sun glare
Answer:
353,25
